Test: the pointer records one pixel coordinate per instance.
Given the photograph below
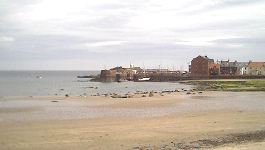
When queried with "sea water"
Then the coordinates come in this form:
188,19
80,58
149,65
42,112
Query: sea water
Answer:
50,83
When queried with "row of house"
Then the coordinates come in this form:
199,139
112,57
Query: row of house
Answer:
202,66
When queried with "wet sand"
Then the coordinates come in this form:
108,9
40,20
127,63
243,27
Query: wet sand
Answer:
212,120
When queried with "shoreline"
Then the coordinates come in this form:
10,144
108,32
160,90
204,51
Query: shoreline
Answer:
241,85
189,87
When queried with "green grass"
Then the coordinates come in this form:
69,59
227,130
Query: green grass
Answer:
228,85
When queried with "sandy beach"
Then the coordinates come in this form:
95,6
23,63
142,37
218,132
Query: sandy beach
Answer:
211,120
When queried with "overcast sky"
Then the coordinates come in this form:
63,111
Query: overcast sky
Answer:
99,34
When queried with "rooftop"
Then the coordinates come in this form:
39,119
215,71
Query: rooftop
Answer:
256,64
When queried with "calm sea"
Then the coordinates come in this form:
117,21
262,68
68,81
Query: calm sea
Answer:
45,83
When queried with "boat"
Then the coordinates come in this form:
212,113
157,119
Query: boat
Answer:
39,77
144,79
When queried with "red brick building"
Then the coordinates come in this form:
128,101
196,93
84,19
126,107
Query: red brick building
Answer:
214,69
202,66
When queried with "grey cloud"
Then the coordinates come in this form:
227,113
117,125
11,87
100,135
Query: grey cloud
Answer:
238,2
129,4
220,4
8,8
151,48
111,21
244,41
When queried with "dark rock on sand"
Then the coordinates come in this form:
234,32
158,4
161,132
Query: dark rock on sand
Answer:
238,138
151,94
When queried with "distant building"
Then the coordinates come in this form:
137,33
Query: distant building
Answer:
189,68
228,68
242,68
214,69
120,74
137,70
202,66
233,68
157,70
108,75
255,68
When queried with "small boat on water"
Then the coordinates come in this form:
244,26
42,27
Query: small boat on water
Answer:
144,79
39,77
